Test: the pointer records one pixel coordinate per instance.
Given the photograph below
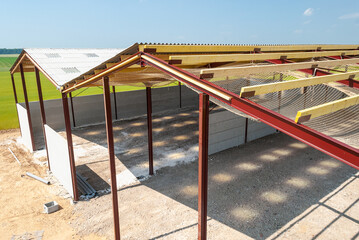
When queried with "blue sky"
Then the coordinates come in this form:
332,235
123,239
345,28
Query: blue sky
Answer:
118,24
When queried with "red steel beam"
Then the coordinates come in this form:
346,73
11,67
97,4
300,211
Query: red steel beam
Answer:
339,57
65,106
203,165
349,82
149,129
278,61
317,72
111,152
326,144
42,111
27,107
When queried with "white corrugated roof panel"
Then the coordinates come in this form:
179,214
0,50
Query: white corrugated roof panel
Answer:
64,65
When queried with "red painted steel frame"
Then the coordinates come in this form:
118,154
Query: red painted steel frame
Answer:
203,165
246,131
27,107
326,144
70,146
180,94
14,87
15,97
349,82
42,110
114,101
149,129
72,109
111,152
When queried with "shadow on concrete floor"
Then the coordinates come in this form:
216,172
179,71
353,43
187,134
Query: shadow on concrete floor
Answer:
275,187
260,187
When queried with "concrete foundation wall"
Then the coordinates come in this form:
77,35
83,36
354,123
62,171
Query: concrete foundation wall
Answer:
59,158
227,130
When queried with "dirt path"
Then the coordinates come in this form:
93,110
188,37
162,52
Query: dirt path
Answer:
271,188
22,198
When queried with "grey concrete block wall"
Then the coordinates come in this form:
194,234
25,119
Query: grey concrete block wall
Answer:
227,130
54,117
90,109
258,129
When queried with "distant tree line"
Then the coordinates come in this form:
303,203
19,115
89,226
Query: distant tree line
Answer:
10,50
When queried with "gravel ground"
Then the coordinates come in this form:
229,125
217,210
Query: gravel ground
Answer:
271,188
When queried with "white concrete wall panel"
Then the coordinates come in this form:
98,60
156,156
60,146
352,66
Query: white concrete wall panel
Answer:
59,158
24,126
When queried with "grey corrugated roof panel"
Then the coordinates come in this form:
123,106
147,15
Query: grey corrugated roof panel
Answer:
117,58
64,65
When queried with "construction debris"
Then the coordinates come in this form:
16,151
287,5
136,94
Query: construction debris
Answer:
14,156
34,236
85,188
38,178
51,207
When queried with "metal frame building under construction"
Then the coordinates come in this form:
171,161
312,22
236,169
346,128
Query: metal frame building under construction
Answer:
309,92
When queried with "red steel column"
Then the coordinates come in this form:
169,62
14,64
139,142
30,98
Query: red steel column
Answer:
203,165
14,87
70,146
115,101
72,110
111,152
180,93
149,129
280,93
42,110
246,131
15,96
27,107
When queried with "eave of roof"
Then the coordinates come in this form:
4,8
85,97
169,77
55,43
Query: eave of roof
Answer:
63,65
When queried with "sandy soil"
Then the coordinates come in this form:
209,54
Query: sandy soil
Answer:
22,198
271,188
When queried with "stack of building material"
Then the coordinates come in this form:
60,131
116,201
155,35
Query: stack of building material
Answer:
86,190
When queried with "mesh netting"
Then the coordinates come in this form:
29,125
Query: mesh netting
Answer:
342,125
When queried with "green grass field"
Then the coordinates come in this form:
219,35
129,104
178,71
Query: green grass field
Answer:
8,115
6,62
